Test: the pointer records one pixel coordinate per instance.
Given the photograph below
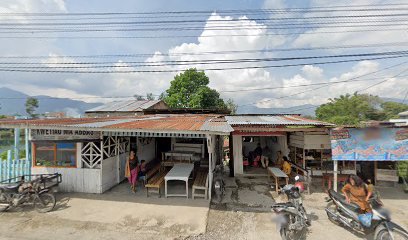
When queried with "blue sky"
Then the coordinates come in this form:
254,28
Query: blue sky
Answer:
82,86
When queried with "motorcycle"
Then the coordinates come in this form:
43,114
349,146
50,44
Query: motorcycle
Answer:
292,220
341,212
14,195
219,184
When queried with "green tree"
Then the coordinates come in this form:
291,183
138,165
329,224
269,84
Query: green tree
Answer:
139,97
190,90
391,109
351,109
230,104
150,96
31,105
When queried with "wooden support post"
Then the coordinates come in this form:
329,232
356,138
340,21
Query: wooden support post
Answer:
335,167
375,171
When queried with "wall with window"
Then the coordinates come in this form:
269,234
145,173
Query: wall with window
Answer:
65,158
55,154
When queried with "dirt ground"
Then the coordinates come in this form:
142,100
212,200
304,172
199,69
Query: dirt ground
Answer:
117,214
244,213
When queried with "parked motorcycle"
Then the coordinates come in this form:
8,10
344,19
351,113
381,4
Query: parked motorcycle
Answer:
17,194
219,184
341,212
292,221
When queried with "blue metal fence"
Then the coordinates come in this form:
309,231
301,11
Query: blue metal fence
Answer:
10,168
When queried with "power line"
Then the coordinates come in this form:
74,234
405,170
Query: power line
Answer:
300,85
243,90
252,13
231,28
307,9
298,93
205,69
235,91
194,36
206,20
405,98
196,62
386,80
136,55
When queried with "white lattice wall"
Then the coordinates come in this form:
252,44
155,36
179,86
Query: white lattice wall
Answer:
92,153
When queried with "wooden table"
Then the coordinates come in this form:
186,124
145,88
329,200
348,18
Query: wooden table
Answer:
277,173
180,172
328,177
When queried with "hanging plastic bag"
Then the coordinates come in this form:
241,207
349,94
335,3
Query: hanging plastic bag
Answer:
365,219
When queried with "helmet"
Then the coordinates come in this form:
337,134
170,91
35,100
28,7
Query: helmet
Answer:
300,185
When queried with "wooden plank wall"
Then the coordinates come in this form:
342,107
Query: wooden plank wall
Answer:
110,172
75,179
297,139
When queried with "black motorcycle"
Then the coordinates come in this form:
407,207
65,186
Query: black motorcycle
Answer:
292,221
17,194
341,212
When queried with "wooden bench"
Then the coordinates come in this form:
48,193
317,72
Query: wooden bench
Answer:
151,172
156,182
200,183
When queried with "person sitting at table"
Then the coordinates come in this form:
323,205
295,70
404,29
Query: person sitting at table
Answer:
142,170
279,159
266,155
286,166
255,155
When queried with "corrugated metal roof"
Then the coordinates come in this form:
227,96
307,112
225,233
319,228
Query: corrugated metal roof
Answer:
170,122
273,120
217,125
403,114
195,122
125,106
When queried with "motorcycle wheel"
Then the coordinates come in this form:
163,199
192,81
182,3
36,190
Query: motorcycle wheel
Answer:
4,204
44,202
381,233
292,235
330,217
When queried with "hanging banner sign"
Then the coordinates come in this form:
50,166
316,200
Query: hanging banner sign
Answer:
55,134
384,144
339,134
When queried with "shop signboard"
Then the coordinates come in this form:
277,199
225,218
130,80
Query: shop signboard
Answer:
370,144
56,134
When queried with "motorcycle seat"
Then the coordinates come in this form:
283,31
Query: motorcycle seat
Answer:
10,187
352,206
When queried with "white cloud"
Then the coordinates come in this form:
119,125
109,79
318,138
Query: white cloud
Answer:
393,87
346,32
91,85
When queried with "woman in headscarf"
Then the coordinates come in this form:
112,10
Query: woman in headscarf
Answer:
132,170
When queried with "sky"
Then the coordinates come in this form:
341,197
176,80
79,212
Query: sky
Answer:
254,34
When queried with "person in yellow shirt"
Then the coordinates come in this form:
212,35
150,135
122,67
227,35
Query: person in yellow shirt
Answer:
286,167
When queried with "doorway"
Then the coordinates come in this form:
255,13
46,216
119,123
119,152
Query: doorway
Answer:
163,144
269,145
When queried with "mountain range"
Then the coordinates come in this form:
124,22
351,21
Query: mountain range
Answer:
12,103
